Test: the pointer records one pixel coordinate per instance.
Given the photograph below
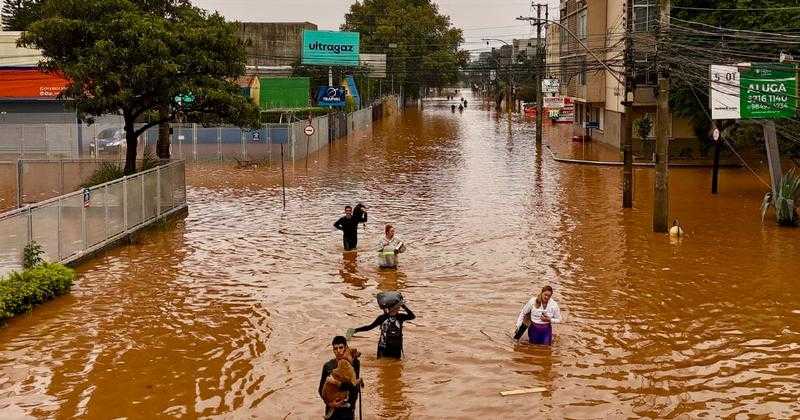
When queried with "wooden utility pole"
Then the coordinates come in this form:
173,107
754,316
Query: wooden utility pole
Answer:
715,169
627,114
540,51
663,123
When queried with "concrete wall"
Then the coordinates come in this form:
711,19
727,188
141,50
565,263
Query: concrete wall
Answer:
273,44
14,56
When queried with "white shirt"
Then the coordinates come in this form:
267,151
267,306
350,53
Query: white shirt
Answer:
535,314
388,250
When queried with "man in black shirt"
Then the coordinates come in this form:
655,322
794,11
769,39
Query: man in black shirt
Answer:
348,224
339,345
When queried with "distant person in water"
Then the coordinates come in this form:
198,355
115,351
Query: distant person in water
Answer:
452,108
389,247
538,317
390,343
465,103
461,108
348,224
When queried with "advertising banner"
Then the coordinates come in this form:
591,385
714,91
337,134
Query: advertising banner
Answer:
724,94
768,91
753,91
553,102
550,85
331,48
376,63
30,83
567,113
329,96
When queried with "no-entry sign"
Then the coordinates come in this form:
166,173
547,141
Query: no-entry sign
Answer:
309,130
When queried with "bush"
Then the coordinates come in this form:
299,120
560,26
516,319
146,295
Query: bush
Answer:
32,255
19,292
786,202
107,172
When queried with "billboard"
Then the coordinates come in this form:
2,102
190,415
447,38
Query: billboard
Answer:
284,92
376,63
331,48
30,83
753,91
330,96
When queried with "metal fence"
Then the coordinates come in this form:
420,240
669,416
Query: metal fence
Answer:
72,225
58,137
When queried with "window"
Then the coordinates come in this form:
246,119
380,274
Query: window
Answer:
645,15
582,24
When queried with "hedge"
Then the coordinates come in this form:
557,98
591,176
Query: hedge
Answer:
19,292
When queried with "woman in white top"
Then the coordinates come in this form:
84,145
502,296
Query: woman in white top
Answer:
388,248
538,316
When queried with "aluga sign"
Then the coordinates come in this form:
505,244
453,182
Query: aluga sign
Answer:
757,91
331,48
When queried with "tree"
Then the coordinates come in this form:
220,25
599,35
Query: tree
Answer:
17,15
421,46
133,57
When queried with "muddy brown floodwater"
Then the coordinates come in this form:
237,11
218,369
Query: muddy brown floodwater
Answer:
230,312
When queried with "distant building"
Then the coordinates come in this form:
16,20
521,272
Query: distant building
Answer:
525,46
273,47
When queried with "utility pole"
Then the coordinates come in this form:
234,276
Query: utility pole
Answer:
627,114
540,56
663,122
539,71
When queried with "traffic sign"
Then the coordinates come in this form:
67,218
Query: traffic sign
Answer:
309,130
715,134
550,85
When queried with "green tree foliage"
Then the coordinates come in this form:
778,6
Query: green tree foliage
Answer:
132,57
424,47
17,15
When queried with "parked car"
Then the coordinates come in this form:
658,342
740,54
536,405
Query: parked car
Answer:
108,141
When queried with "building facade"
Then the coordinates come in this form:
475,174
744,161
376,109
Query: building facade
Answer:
598,92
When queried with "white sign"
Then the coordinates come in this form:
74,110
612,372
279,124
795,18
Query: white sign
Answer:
309,130
550,85
376,63
724,97
715,134
553,102
492,75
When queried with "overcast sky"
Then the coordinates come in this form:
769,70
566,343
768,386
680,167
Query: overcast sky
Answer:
478,18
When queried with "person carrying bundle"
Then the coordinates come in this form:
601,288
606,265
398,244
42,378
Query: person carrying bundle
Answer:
388,248
390,343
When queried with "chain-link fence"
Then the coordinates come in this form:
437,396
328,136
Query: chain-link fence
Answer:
74,224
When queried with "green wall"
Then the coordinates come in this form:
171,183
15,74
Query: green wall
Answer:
284,92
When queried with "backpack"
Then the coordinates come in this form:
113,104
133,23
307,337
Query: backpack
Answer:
393,332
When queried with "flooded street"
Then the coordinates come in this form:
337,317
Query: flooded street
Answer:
230,312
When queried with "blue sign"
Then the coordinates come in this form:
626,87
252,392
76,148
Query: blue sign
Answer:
331,48
592,124
351,84
329,96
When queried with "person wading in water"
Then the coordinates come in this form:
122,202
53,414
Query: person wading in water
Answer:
540,313
348,224
344,410
390,343
388,248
